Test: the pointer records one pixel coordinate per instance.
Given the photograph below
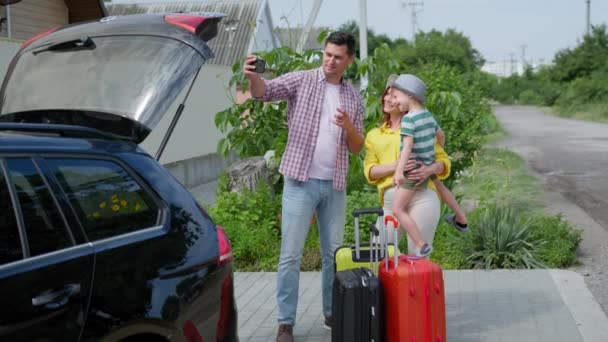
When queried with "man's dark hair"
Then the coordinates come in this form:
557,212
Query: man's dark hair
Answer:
342,38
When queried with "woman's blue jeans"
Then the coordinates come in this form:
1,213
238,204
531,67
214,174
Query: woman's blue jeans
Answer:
300,200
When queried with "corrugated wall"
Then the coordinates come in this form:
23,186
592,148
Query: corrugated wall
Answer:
30,17
235,31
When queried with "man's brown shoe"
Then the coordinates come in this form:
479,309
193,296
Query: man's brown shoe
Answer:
285,333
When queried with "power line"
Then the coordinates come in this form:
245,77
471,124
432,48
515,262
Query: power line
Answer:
523,55
414,8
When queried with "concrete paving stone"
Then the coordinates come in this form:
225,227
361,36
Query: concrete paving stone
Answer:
501,305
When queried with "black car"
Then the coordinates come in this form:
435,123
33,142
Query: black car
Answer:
98,241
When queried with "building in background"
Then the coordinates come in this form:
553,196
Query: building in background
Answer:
26,18
507,68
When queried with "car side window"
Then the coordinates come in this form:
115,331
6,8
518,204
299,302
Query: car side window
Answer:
106,198
44,226
10,244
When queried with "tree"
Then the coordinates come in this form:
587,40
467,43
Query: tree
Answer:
373,40
253,127
451,48
590,55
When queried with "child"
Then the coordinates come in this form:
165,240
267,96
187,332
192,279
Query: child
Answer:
418,130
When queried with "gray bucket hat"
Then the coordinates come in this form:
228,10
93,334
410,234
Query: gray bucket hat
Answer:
411,85
391,79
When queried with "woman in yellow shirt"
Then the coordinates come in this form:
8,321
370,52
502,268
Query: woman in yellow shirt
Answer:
381,154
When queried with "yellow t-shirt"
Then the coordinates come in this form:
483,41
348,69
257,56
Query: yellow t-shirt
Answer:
382,147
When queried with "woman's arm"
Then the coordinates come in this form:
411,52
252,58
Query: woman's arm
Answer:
373,170
377,172
441,167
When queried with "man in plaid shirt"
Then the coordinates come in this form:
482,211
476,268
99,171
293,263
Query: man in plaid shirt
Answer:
325,120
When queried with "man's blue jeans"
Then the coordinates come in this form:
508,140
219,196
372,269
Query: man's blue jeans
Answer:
300,201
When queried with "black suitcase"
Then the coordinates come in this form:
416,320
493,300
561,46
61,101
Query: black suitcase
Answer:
357,304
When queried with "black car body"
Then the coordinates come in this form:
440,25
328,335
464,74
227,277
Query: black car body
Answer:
98,241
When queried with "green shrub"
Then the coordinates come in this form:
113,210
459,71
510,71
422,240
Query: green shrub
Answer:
502,239
562,240
530,97
459,106
252,224
252,220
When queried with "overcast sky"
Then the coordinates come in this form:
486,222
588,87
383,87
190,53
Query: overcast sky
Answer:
496,28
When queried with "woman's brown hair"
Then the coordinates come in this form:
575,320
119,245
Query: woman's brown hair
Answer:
386,117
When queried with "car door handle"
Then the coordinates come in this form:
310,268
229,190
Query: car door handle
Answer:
55,299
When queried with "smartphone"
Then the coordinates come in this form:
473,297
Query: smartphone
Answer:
260,65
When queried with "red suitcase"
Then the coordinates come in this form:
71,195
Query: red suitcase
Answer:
414,300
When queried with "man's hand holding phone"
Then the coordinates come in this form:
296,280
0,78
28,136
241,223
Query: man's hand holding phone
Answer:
254,65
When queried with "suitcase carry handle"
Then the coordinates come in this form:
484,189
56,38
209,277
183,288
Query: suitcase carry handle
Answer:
392,219
365,211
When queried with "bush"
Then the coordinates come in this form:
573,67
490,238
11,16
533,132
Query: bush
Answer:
252,224
252,220
460,109
562,240
530,97
502,239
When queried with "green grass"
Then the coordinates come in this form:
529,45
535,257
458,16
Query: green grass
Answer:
499,177
508,225
596,112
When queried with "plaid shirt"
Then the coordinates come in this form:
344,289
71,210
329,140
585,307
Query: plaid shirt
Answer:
304,92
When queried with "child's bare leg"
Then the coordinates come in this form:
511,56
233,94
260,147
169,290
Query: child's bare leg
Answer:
448,198
400,204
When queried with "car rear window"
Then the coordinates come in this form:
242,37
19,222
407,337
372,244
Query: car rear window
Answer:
106,197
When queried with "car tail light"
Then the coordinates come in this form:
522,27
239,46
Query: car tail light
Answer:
191,333
38,36
203,26
224,247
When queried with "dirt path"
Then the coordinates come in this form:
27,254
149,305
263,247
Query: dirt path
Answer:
570,158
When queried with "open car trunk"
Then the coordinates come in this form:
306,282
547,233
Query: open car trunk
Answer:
119,74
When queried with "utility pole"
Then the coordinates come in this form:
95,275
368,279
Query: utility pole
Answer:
363,38
306,29
414,6
588,16
523,56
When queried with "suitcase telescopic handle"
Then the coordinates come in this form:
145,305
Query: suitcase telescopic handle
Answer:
393,220
356,214
365,211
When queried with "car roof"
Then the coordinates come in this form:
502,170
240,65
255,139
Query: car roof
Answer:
40,138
